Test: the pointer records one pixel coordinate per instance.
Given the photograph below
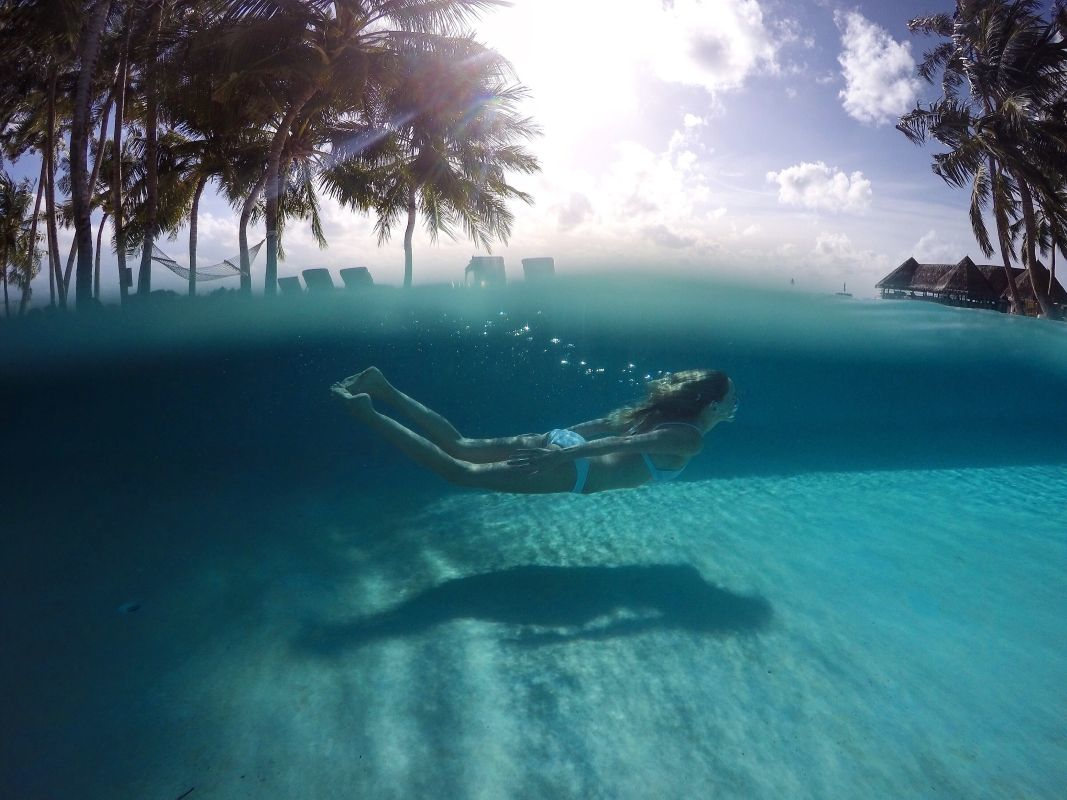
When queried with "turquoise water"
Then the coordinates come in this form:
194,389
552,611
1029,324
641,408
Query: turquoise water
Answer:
214,580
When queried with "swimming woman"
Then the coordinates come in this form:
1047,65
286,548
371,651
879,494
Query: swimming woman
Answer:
652,440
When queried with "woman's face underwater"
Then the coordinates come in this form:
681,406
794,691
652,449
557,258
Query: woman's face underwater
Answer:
722,411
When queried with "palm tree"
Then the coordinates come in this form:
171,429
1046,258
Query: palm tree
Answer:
18,251
1051,232
87,55
445,135
215,141
330,52
37,47
1002,68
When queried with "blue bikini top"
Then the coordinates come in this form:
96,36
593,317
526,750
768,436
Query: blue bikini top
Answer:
655,472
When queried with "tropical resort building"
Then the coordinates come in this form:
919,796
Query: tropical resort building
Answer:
967,284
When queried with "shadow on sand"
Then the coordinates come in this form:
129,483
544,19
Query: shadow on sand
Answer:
558,604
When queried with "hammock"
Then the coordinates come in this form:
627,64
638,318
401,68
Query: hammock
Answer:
224,269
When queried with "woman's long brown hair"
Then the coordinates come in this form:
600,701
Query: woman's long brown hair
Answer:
676,397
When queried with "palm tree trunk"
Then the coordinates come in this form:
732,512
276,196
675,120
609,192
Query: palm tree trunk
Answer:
88,53
408,233
242,232
1030,220
96,266
144,274
116,179
55,279
1052,269
27,292
3,263
200,184
1002,236
92,186
277,145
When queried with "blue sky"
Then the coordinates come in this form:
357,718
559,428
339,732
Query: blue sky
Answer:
748,138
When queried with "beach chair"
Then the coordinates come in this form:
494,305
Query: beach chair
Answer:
535,269
318,279
356,277
290,285
485,271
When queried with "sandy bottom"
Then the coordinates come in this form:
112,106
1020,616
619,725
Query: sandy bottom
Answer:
876,635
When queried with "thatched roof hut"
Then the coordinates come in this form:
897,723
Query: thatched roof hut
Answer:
965,283
994,273
928,277
1025,290
900,278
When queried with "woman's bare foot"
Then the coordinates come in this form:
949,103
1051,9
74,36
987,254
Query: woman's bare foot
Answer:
359,405
369,381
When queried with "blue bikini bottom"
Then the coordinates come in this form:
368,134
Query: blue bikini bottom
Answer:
564,438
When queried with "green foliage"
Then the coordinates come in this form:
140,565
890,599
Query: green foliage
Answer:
364,101
1003,71
20,260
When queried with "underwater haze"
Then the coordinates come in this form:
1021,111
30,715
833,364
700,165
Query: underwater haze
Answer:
219,585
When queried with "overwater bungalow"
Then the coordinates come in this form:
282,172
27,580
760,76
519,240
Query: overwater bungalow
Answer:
965,284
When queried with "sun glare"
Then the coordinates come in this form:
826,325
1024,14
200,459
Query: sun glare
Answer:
578,59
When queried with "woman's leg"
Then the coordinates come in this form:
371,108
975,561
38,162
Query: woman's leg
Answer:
438,429
371,381
497,477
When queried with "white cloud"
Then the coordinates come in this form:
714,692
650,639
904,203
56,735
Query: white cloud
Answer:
575,211
716,44
880,79
819,187
665,237
834,247
217,233
932,248
836,257
713,44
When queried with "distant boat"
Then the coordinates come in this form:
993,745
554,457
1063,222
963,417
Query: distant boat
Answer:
843,292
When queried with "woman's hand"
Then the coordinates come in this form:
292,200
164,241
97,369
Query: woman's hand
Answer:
537,459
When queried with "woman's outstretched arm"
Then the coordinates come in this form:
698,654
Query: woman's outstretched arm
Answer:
595,427
669,441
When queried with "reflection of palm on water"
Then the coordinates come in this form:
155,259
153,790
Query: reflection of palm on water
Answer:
556,604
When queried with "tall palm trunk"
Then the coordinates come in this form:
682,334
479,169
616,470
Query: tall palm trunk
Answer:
1030,220
88,53
408,233
274,160
104,115
96,266
27,292
1002,236
55,279
116,179
1052,269
3,263
144,274
242,232
200,184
